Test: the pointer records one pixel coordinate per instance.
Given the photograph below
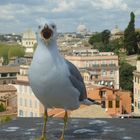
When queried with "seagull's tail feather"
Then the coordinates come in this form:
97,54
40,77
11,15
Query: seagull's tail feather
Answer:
87,102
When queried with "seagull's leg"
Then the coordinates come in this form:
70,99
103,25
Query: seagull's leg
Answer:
65,124
43,137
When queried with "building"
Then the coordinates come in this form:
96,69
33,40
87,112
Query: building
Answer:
115,102
99,67
136,87
116,33
8,74
28,41
82,29
8,98
27,104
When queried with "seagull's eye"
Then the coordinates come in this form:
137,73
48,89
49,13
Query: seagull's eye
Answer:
39,27
53,26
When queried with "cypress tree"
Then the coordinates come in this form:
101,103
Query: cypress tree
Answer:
130,41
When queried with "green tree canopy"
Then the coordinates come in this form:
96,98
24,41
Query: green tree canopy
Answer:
105,35
4,48
126,76
96,38
130,41
7,51
16,51
2,108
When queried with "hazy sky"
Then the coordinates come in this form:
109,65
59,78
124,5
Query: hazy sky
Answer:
97,15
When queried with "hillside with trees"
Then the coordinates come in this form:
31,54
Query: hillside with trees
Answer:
130,40
128,43
8,51
124,46
126,76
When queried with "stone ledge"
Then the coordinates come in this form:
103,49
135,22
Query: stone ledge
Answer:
77,129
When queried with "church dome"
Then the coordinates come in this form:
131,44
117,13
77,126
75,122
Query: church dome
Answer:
81,29
115,30
29,34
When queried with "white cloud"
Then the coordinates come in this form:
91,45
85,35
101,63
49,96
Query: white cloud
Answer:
6,12
109,4
63,6
97,14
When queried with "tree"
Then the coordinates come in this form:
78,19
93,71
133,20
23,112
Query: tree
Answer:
115,46
95,38
7,51
2,108
130,42
138,41
105,35
126,76
4,48
16,51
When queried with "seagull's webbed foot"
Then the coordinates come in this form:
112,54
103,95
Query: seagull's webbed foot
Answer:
65,124
43,137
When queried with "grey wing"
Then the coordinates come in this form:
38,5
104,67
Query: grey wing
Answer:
77,80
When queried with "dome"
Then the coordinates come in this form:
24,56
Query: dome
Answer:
29,34
82,29
115,30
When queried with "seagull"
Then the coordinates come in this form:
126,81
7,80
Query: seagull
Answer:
55,81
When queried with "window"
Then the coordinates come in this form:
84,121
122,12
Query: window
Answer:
138,104
31,114
135,91
4,75
25,102
111,73
117,104
35,114
30,103
25,89
104,72
102,93
35,103
20,101
21,113
30,90
103,63
22,88
110,104
135,79
135,104
13,74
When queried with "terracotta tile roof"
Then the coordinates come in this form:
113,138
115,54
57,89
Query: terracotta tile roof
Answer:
92,111
7,88
6,69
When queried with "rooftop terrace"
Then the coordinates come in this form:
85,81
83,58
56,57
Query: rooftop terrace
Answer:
77,129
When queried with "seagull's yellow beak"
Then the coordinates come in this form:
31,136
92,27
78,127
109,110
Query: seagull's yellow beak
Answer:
46,32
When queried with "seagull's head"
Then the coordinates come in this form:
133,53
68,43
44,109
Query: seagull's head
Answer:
47,32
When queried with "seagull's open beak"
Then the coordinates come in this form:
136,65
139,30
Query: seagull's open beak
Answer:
46,32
